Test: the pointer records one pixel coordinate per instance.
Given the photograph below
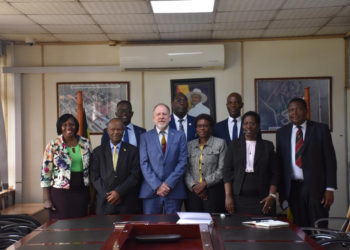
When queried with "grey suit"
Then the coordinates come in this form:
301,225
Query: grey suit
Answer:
214,152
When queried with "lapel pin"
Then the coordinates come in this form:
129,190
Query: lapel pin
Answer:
124,149
189,124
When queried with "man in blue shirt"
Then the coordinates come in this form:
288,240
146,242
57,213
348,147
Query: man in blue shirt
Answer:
132,132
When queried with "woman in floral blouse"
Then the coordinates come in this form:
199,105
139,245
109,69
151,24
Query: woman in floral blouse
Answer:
65,171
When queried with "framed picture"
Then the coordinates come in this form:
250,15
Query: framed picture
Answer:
272,97
200,93
99,99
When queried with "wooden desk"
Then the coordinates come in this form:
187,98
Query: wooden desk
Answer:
35,210
97,232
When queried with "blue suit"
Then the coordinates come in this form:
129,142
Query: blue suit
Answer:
191,130
158,168
221,131
138,131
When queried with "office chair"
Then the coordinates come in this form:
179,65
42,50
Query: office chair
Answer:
326,236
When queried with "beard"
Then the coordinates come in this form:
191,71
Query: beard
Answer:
161,126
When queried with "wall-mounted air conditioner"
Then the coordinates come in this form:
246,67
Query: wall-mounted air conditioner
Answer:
172,57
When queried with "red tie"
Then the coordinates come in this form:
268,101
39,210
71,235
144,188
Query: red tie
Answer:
163,142
298,146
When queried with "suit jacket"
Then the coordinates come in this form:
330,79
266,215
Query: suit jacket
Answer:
191,130
265,165
138,131
318,159
212,163
221,131
158,167
125,180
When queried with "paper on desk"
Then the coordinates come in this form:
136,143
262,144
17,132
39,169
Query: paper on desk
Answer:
194,218
266,223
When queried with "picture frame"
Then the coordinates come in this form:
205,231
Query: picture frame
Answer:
272,96
195,87
99,99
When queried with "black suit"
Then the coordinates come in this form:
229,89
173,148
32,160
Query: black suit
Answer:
319,167
125,181
265,167
221,130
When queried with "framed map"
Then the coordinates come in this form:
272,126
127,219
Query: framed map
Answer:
272,96
99,99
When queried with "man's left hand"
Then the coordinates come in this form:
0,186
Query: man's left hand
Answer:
113,197
328,199
163,190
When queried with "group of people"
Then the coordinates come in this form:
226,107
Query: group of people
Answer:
217,168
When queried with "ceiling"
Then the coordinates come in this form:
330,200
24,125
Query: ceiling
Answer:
133,20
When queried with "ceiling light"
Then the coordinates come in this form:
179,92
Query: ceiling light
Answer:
183,6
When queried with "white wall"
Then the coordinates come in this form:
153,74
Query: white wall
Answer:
284,58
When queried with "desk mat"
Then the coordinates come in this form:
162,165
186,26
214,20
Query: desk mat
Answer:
88,222
266,245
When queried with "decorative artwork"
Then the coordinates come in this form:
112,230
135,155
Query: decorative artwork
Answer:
200,93
99,98
272,97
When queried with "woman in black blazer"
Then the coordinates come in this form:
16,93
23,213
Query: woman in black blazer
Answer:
251,171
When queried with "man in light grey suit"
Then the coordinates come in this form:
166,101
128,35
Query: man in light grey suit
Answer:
163,158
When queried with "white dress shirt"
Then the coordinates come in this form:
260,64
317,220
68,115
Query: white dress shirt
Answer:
231,123
297,172
184,123
250,154
160,135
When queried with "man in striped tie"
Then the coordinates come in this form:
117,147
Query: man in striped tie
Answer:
163,160
309,166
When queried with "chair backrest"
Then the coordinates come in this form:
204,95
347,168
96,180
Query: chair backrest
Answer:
348,216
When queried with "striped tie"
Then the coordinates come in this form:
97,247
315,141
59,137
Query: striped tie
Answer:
181,126
298,146
163,142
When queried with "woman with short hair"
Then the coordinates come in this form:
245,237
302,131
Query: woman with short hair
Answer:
65,171
204,169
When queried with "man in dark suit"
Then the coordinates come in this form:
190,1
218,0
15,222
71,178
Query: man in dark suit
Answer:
163,159
309,166
230,128
132,132
180,120
115,173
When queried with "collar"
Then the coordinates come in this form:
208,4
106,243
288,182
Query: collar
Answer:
303,125
130,126
176,118
238,119
112,145
165,130
208,143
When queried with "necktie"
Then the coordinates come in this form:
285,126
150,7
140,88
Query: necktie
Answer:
234,130
115,157
181,127
126,135
298,146
163,142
